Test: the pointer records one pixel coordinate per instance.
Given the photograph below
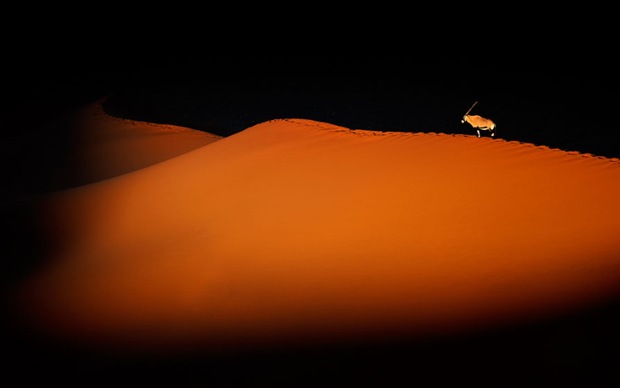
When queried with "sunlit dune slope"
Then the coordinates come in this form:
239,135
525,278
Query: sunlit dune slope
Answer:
296,230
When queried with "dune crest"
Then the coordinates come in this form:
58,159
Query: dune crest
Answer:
301,231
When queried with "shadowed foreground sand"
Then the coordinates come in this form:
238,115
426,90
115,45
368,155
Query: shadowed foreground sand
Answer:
297,232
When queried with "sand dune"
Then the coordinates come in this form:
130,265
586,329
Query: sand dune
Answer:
109,146
296,232
86,145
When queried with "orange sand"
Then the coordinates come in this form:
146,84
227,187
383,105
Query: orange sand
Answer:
297,231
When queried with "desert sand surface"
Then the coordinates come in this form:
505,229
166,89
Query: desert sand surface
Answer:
110,146
304,233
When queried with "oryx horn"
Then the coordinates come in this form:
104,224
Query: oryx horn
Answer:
472,107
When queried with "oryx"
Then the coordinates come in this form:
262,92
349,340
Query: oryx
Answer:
479,122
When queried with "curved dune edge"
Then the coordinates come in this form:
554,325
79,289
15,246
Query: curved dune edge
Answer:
301,231
108,146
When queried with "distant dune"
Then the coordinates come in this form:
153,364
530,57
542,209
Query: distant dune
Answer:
109,146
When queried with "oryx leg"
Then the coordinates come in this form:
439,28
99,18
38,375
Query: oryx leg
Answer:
477,130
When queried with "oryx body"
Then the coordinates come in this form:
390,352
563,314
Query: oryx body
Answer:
479,122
